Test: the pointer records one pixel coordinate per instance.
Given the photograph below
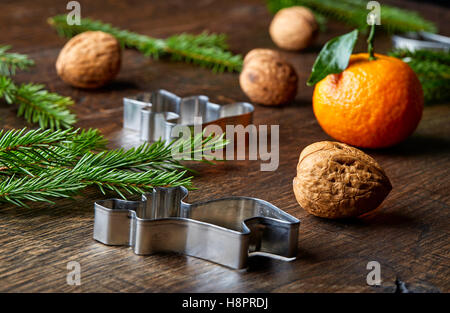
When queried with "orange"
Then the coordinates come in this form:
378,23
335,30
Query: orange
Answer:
371,104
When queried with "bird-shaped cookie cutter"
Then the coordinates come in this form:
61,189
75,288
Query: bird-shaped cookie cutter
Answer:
153,115
225,231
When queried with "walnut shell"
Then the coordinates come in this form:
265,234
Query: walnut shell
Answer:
293,28
89,60
260,52
335,180
268,80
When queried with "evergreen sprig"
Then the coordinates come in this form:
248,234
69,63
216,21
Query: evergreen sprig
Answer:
106,176
206,50
39,165
9,62
354,13
35,104
48,109
51,184
25,152
433,70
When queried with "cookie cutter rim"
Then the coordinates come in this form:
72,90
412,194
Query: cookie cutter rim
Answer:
421,40
154,115
163,222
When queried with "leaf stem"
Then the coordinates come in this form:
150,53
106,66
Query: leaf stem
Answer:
370,42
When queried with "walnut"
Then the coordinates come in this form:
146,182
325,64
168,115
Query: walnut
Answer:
335,180
267,78
293,28
89,60
260,52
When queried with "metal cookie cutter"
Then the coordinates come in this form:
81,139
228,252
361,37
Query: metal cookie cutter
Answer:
154,115
224,231
421,40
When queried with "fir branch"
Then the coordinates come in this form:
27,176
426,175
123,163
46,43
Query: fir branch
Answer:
39,165
7,89
51,184
354,13
49,110
182,150
36,104
212,57
16,140
400,20
147,45
204,39
158,156
64,183
206,50
433,70
83,141
25,152
9,62
132,182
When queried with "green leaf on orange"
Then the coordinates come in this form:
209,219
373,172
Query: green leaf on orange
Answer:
334,57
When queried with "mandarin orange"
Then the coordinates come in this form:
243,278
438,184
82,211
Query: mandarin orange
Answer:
371,104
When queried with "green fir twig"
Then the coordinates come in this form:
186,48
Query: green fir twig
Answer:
35,104
206,50
354,13
48,109
24,152
41,165
9,61
51,184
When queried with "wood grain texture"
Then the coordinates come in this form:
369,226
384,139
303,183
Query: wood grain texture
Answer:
408,235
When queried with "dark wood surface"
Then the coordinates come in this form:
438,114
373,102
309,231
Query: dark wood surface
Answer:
408,235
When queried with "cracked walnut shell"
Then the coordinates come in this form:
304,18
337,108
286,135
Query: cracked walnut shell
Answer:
335,180
89,60
268,79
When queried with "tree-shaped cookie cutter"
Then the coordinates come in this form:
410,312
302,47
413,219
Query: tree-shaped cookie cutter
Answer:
153,115
225,231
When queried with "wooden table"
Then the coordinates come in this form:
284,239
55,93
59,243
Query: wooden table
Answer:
408,236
